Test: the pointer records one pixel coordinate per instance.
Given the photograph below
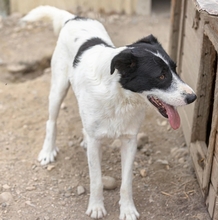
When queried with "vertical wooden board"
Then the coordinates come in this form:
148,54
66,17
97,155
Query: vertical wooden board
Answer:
215,214
181,35
186,126
211,200
175,16
214,174
198,155
213,133
186,73
216,146
206,79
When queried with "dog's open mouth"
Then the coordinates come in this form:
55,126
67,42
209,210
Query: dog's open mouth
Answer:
167,111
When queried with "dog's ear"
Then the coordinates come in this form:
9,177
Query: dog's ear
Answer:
124,62
150,39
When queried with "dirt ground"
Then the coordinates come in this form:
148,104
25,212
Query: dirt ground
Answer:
168,190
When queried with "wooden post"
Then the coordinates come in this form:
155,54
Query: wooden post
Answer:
4,7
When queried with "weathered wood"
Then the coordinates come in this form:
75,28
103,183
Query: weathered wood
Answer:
212,137
204,91
181,32
118,6
198,155
216,146
174,28
186,126
215,213
214,176
211,200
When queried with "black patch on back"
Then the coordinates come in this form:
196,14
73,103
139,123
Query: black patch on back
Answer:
77,18
86,46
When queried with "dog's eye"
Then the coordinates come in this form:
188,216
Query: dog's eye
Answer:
162,77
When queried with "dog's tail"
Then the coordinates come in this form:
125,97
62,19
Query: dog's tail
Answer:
57,16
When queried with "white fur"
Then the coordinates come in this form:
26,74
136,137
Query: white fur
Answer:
107,110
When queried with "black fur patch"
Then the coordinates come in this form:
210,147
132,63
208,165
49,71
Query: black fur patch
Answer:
77,18
140,69
86,46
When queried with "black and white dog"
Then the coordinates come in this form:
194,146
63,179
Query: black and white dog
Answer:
111,86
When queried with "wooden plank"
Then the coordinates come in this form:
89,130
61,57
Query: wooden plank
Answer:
216,146
186,126
175,16
214,176
198,155
215,212
127,6
186,74
186,115
211,30
213,133
181,33
204,90
211,200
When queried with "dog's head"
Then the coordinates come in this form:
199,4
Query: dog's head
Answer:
146,68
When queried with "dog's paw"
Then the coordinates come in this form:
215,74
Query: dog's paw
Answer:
96,210
46,156
128,212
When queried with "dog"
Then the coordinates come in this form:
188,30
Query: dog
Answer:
112,86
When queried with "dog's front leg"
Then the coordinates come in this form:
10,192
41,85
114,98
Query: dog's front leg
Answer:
127,207
96,205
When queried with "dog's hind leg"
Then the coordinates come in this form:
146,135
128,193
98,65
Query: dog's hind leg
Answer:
59,87
96,205
127,207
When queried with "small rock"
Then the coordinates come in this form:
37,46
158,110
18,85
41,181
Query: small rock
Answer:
30,188
136,163
116,144
29,203
6,197
109,182
16,68
70,143
1,62
164,162
6,186
67,158
67,194
181,160
142,139
143,172
63,106
47,70
80,190
161,123
50,167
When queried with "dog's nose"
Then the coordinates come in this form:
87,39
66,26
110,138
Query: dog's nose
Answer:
190,98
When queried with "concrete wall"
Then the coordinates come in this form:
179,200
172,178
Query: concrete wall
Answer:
108,6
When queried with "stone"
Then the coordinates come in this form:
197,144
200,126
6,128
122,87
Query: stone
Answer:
70,143
63,106
109,183
16,68
30,188
142,139
116,144
164,162
50,167
143,172
80,190
6,197
6,186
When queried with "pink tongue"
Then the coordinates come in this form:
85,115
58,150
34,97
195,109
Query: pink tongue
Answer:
173,116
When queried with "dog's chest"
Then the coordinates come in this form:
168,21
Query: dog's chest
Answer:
113,120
